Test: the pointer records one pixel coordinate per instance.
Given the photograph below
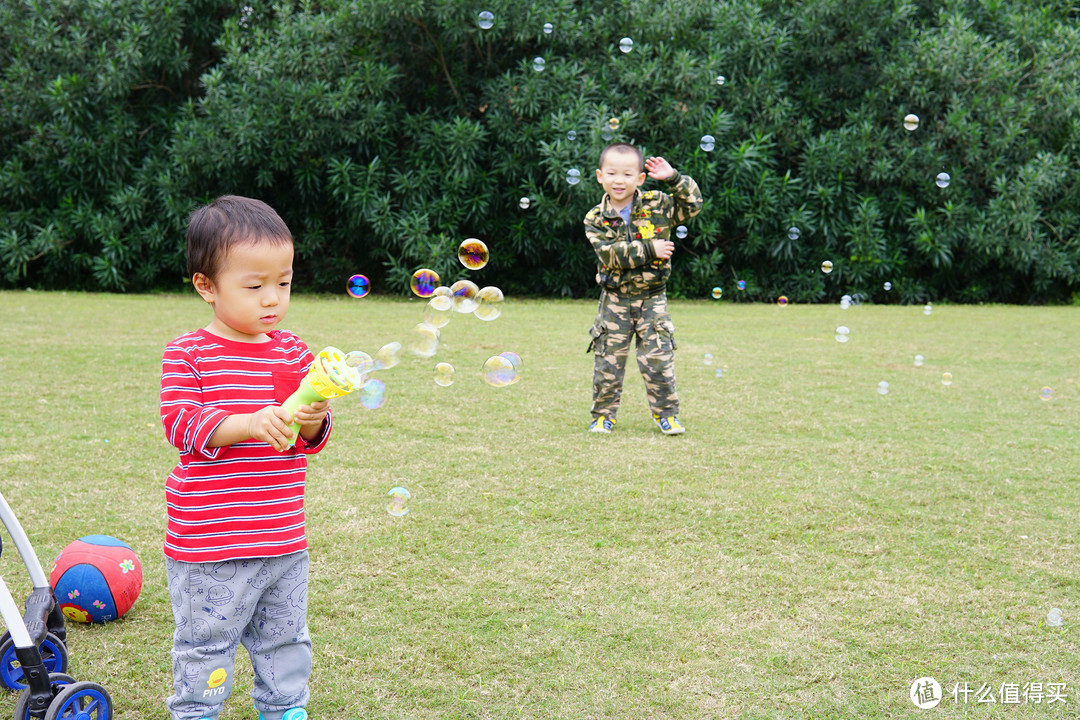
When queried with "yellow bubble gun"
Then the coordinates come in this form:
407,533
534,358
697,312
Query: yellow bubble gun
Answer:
330,376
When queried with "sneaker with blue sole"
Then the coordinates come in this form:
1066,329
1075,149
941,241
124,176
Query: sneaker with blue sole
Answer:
669,425
601,425
296,713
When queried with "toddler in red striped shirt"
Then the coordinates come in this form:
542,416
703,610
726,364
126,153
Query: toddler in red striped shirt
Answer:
235,548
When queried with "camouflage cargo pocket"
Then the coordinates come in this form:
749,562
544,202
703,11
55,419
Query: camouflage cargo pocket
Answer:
597,335
665,333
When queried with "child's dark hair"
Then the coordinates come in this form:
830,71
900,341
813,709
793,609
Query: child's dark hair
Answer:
229,220
623,148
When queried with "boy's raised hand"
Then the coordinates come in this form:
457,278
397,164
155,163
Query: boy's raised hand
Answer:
311,417
271,425
659,168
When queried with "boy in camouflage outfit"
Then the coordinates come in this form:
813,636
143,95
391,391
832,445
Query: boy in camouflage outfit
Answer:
629,230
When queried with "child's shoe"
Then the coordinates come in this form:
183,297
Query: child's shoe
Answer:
297,713
601,425
669,425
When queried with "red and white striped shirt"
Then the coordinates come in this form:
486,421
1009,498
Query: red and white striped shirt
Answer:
245,499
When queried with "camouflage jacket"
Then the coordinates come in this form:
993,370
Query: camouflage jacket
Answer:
626,262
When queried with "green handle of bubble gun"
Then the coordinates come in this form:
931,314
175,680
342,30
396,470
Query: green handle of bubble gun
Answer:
304,395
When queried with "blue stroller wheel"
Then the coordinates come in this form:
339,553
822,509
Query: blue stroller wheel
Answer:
22,705
53,654
81,701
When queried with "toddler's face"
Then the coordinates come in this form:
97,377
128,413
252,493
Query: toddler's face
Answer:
251,292
620,175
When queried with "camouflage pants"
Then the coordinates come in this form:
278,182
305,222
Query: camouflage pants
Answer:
621,318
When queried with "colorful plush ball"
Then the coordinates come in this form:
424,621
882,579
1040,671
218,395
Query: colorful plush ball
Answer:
97,578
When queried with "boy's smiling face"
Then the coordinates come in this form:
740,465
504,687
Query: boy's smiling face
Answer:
620,175
250,292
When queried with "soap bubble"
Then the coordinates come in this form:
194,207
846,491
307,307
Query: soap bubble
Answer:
626,44
360,360
524,203
887,286
473,253
782,301
708,359
485,20
842,334
444,374
826,267
717,292
1055,618
464,295
720,79
548,27
397,503
614,123
911,121
946,379
927,309
498,371
358,286
719,372
438,310
606,133
680,232
942,179
708,143
489,303
571,135
387,356
883,388
573,176
373,394
845,302
919,360
741,284
793,233
1046,393
539,64
424,282
442,291
423,340
513,357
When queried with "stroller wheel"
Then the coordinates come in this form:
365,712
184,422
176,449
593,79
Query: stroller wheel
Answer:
81,701
53,655
22,705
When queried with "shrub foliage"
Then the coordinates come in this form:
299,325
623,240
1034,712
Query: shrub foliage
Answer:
386,131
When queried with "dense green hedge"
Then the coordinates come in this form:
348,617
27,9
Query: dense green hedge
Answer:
385,131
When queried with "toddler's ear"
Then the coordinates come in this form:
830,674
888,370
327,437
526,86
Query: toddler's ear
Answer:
203,286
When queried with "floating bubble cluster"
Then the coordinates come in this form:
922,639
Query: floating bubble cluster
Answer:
473,253
489,303
424,282
626,44
485,20
397,503
444,374
708,143
358,286
911,121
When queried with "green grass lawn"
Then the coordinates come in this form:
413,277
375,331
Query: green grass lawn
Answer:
808,549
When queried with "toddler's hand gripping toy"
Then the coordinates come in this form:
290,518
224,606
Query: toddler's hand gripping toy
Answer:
330,376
